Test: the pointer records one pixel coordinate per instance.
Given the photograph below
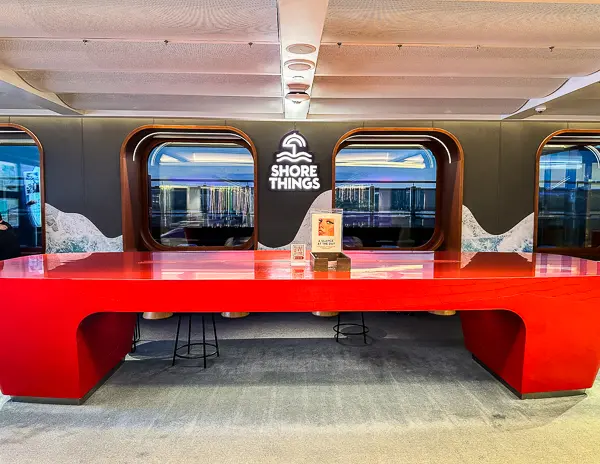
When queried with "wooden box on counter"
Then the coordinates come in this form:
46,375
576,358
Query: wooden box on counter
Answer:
319,261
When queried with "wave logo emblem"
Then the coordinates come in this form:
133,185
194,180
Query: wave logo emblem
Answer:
294,168
293,147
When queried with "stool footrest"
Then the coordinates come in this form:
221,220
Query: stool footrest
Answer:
197,356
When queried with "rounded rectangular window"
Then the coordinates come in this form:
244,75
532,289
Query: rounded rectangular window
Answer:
20,188
569,195
388,194
202,194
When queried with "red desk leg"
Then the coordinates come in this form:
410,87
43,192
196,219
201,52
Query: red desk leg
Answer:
46,357
552,350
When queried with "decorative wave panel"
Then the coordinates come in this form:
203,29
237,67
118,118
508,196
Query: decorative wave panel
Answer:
323,201
476,238
75,233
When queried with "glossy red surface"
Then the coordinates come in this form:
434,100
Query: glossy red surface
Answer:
531,318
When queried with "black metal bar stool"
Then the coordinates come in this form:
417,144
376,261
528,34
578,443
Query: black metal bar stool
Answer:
363,329
189,343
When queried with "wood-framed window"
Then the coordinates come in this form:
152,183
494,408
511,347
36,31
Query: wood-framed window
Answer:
396,187
196,186
22,199
567,196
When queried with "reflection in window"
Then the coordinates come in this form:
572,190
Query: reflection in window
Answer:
388,195
202,194
20,191
569,196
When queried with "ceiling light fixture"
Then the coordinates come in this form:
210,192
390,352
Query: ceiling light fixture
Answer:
299,65
301,49
298,97
298,86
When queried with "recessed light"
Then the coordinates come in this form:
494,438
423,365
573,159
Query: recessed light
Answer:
301,49
298,97
300,65
298,87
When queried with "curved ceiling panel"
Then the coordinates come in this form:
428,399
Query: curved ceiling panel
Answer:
98,55
433,87
216,106
355,60
399,107
154,83
457,22
223,20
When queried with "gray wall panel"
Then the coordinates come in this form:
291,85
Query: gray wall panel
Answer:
187,122
398,123
516,182
63,159
584,125
82,166
481,145
102,140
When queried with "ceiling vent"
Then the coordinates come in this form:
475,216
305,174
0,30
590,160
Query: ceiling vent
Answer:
301,49
300,65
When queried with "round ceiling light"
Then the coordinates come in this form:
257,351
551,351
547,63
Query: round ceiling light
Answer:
300,65
301,49
298,86
298,97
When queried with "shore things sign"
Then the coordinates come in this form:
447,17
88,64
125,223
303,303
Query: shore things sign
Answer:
293,169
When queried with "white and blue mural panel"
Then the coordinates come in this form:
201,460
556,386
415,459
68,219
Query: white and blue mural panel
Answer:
475,238
75,233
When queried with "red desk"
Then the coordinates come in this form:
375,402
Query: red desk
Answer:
67,320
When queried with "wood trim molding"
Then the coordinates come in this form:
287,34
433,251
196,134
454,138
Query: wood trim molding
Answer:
137,236
42,175
580,252
447,231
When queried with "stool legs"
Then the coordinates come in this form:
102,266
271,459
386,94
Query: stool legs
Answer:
363,328
215,333
203,341
137,333
176,339
189,344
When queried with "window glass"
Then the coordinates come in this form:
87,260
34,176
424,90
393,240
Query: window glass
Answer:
569,196
388,195
20,189
201,194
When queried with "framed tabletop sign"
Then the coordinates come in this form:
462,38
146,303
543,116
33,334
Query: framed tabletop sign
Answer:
327,231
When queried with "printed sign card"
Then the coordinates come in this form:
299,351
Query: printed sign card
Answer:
298,254
327,231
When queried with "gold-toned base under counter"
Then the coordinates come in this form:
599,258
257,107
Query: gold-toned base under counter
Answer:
156,316
325,313
443,313
234,315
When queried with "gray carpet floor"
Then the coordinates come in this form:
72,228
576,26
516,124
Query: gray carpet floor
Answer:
283,391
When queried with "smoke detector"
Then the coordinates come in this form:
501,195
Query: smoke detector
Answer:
299,65
301,49
297,97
